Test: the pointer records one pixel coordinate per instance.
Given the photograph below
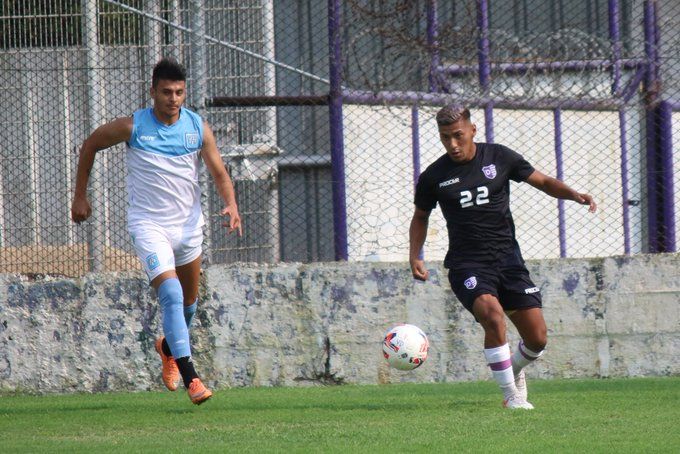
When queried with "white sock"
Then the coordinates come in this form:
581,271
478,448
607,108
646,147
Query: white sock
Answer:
522,357
500,364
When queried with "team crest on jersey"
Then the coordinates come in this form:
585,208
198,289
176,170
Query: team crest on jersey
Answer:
191,139
152,261
489,171
470,283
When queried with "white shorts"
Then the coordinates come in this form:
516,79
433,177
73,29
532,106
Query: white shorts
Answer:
161,249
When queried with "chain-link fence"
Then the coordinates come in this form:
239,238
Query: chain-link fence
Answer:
324,114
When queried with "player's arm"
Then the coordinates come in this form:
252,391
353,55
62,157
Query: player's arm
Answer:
225,187
416,234
103,137
555,188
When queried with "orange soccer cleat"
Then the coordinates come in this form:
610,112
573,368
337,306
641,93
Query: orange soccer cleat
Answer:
198,393
170,371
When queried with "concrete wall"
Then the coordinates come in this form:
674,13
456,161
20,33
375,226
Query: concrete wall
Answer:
294,324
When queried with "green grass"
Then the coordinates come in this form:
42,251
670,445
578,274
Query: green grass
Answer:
623,415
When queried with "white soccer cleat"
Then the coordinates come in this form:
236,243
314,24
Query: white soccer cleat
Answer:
515,402
521,385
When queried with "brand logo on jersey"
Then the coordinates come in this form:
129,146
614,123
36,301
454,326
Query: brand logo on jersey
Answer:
470,283
191,139
449,182
489,171
531,290
147,138
152,261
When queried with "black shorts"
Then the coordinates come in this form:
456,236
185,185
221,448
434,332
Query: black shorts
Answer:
511,284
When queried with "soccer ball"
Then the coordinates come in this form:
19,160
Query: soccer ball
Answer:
405,347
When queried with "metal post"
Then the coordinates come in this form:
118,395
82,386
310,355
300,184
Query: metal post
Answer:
415,144
560,176
199,95
415,147
651,86
484,64
433,44
152,32
661,212
615,39
68,138
32,151
336,129
269,70
665,132
95,98
175,37
271,128
623,130
433,86
665,125
488,122
483,44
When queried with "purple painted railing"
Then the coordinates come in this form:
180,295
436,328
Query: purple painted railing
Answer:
336,130
542,67
559,164
615,40
660,197
665,128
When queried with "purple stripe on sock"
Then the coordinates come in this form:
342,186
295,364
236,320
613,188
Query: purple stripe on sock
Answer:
501,365
525,354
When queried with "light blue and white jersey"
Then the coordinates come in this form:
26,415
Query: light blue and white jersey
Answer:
163,170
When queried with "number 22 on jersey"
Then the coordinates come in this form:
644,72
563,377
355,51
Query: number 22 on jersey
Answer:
477,196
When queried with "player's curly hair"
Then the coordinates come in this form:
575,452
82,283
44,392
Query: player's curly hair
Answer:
452,113
168,69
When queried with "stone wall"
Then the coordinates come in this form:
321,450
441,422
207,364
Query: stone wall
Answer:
295,324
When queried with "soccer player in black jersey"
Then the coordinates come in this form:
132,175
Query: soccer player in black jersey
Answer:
471,183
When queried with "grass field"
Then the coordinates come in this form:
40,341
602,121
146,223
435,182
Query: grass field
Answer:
612,416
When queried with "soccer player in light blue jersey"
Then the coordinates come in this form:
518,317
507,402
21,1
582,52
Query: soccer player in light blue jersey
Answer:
164,146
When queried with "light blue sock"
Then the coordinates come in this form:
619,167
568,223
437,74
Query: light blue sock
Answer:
189,312
174,326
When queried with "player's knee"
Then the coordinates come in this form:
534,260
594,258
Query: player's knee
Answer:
542,342
538,340
543,339
170,293
489,314
493,324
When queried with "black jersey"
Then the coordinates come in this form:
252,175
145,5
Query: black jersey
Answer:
474,198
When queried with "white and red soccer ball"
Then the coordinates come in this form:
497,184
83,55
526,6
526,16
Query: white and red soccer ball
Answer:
405,347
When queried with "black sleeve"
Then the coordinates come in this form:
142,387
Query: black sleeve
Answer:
425,198
520,169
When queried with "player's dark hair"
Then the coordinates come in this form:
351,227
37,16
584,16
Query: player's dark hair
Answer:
168,69
452,113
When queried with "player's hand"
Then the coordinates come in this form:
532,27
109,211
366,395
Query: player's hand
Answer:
418,270
234,222
587,199
80,209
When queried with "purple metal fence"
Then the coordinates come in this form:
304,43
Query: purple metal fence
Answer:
660,216
660,212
